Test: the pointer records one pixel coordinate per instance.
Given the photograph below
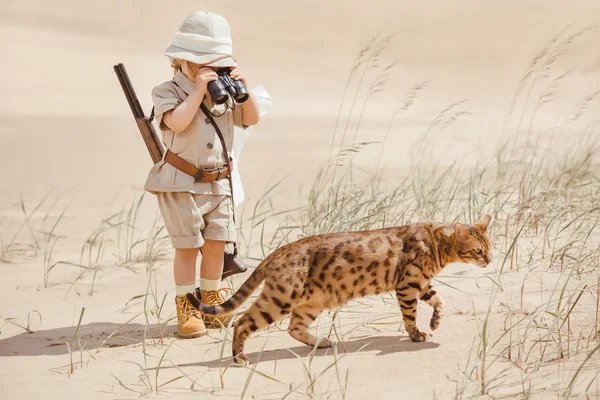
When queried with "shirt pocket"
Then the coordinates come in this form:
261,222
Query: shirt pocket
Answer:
172,178
180,142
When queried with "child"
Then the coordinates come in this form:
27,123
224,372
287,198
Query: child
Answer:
198,213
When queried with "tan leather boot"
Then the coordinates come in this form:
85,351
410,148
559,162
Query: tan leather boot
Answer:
213,298
189,320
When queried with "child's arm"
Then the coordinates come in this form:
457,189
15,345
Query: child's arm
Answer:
250,111
180,117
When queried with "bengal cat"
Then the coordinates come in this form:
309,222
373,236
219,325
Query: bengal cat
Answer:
316,273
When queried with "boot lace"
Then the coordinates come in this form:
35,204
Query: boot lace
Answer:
214,297
186,309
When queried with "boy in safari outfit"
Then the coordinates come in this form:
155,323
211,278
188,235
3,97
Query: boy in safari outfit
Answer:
198,213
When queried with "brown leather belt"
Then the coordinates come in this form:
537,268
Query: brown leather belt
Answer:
199,174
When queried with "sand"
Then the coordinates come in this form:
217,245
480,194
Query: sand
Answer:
70,144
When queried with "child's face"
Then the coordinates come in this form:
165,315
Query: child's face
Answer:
191,69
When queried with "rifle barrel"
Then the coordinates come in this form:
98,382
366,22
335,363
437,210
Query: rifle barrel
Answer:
144,124
132,99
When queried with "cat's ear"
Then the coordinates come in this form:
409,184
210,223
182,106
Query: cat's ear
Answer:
482,223
459,230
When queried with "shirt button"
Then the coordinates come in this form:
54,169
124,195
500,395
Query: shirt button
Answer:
207,120
210,145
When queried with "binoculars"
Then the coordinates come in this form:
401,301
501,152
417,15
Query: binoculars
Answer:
225,86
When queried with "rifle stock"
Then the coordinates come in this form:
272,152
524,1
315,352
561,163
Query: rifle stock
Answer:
144,123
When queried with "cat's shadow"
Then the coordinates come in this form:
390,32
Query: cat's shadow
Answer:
383,344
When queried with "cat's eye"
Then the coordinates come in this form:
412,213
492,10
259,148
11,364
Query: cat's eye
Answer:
478,251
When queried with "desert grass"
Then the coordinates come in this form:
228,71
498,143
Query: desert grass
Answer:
134,245
70,343
546,211
18,245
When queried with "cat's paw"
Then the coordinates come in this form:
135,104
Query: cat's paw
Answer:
419,337
241,359
436,319
324,343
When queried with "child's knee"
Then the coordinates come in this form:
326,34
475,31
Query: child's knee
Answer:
213,247
186,253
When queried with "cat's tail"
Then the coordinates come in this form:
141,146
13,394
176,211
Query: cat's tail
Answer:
239,297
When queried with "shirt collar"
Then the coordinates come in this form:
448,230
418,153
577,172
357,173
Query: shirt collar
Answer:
184,82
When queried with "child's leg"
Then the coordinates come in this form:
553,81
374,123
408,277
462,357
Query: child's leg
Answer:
218,230
183,222
189,322
211,267
184,270
211,271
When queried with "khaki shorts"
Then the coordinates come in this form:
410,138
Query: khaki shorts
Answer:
191,219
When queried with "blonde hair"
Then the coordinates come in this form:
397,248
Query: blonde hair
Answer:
193,67
175,65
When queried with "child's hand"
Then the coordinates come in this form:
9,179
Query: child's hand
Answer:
204,76
236,74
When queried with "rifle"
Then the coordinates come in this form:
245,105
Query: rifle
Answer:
144,123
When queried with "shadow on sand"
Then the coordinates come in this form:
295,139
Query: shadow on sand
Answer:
108,335
384,344
95,335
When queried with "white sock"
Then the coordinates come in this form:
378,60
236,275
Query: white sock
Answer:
181,291
209,284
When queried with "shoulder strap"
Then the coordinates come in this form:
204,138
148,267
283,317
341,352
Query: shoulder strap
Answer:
227,160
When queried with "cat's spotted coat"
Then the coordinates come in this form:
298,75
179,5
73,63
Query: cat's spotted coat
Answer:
316,273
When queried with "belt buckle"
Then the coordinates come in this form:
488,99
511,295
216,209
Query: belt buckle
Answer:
200,174
220,171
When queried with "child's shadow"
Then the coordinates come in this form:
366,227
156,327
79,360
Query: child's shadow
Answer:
95,335
385,345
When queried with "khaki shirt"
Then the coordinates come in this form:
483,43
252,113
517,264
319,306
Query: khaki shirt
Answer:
198,144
